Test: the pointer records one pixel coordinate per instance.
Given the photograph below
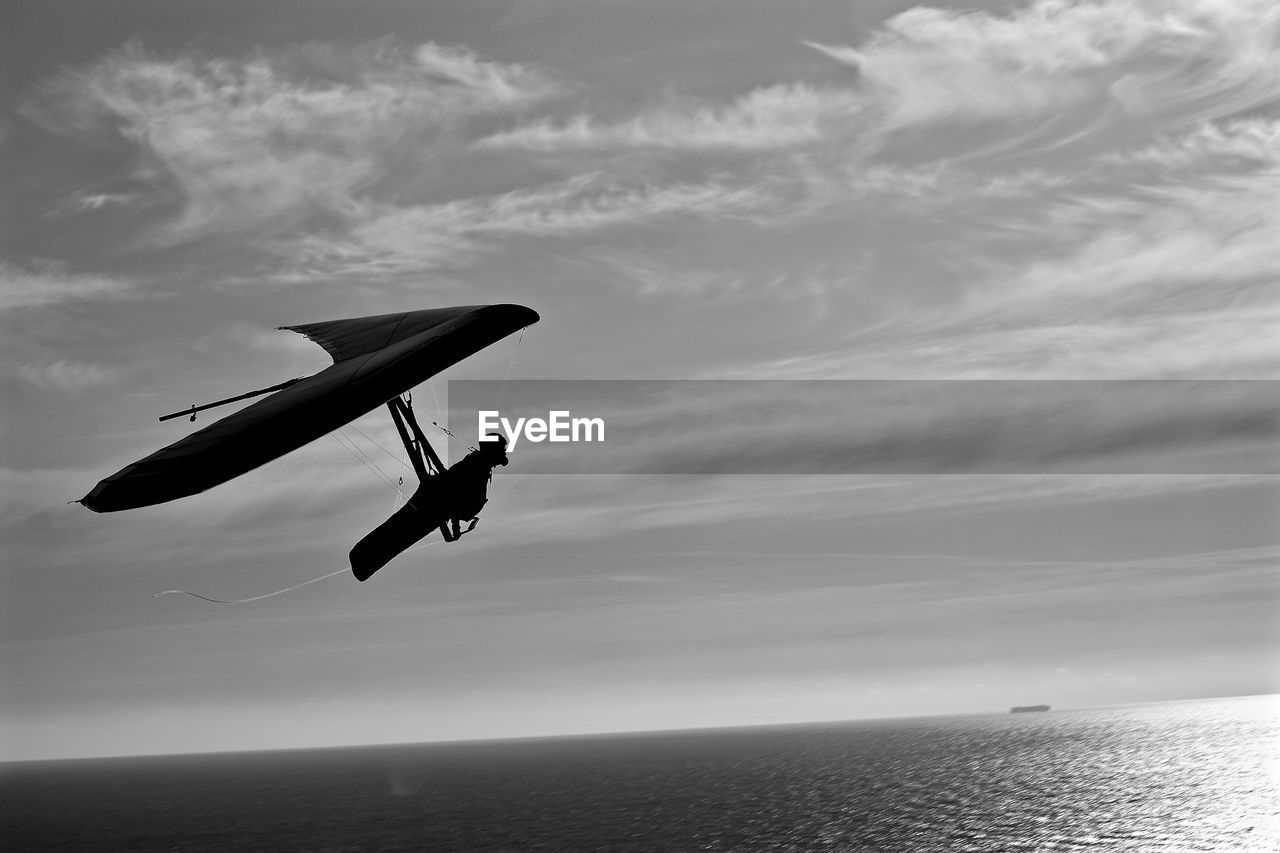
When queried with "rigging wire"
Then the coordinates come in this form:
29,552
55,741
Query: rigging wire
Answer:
380,447
448,432
387,478
400,500
510,364
355,452
435,401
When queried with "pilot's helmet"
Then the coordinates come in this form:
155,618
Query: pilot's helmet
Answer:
494,446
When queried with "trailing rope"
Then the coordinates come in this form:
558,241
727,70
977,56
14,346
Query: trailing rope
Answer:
254,598
213,600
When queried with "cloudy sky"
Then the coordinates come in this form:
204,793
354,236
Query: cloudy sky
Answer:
722,190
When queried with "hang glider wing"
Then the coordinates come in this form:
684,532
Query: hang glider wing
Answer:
375,359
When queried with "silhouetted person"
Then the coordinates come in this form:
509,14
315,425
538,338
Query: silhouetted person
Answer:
465,485
444,499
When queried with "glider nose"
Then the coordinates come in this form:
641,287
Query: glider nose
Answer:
130,488
518,316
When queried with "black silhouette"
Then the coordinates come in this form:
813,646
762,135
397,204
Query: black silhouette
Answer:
445,497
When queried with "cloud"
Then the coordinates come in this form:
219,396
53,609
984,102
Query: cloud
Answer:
24,493
65,375
347,162
260,144
1048,81
1226,344
929,64
1211,246
656,279
82,202
1242,145
388,240
544,507
481,85
44,284
1157,260
772,117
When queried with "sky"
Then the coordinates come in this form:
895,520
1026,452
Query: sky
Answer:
725,190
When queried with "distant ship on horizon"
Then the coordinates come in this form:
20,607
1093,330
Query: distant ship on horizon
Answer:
1027,709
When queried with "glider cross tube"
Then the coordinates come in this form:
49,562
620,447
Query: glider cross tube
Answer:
375,359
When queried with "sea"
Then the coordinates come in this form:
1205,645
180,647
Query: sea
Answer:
1174,778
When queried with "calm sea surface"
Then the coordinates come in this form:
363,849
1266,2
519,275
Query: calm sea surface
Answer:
1177,778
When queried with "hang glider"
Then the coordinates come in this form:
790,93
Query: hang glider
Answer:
376,359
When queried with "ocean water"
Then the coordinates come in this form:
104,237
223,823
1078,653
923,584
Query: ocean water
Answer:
1175,778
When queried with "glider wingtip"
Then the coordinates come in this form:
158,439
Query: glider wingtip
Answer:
525,315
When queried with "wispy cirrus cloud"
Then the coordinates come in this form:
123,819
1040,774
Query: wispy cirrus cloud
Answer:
336,163
65,375
260,144
85,202
927,65
653,278
1208,243
47,283
1157,260
1137,249
388,240
930,64
773,117
1241,145
1035,80
1226,344
544,507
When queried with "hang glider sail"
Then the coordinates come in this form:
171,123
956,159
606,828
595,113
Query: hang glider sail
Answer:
376,359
